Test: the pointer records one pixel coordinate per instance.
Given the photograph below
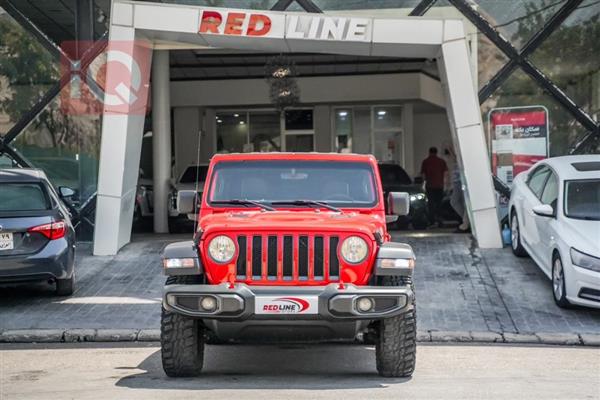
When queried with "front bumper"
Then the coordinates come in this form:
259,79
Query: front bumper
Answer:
332,302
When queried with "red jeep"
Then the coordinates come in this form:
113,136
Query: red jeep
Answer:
289,247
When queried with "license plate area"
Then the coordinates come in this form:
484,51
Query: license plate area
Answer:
6,241
286,305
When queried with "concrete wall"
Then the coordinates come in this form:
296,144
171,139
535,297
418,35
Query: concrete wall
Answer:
313,90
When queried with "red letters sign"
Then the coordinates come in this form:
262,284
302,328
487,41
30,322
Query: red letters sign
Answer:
235,23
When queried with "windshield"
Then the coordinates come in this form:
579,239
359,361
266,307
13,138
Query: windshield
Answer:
190,176
340,184
393,175
582,199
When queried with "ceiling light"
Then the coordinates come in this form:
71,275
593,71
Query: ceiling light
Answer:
242,123
381,112
236,115
343,113
219,120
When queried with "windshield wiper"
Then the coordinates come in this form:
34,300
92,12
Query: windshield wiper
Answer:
244,202
306,203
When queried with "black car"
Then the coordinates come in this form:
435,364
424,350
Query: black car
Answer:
395,179
37,239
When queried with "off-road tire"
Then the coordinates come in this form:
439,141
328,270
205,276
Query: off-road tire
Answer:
396,348
396,345
65,287
181,339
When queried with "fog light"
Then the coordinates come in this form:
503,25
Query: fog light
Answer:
364,304
208,303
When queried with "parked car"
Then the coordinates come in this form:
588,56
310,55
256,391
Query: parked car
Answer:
191,178
144,203
395,179
289,247
37,239
555,218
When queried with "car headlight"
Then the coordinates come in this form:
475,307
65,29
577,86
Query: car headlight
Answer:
221,249
354,249
584,260
415,197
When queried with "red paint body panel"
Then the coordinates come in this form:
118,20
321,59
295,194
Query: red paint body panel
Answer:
249,221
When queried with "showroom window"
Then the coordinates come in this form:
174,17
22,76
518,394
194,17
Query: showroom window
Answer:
343,130
298,130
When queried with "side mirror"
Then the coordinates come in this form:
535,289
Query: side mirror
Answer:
65,192
398,203
186,201
544,210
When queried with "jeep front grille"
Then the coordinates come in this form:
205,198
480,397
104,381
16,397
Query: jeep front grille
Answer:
288,258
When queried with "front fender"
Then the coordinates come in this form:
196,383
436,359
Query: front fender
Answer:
181,258
395,259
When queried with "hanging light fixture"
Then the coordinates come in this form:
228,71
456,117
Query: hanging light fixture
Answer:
281,73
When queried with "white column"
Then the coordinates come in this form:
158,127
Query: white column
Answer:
120,147
408,137
468,135
161,138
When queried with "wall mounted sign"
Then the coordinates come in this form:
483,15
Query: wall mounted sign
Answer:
320,27
518,139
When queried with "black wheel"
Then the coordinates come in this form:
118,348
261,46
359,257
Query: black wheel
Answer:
396,341
515,236
396,347
181,339
65,287
559,288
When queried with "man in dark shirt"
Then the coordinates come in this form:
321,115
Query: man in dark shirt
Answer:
433,170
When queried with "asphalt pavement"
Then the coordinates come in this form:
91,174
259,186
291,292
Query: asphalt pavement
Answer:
101,371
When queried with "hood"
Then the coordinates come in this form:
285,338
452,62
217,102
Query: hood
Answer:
583,235
296,221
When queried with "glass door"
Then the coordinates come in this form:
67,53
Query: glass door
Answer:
298,130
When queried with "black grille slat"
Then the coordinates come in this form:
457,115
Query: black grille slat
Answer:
256,255
311,253
241,261
288,256
334,263
318,256
272,257
303,256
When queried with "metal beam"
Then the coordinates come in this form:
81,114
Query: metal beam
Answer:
497,80
309,6
31,28
282,5
421,8
303,63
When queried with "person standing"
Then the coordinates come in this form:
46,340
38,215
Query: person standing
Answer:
457,198
433,171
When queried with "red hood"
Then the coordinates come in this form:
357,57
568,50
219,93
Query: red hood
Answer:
301,221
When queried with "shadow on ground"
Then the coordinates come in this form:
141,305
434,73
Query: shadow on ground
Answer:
240,367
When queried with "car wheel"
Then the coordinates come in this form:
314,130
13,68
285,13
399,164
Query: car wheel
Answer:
65,287
559,289
181,339
396,337
396,346
515,236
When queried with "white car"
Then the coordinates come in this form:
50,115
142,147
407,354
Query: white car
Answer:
555,218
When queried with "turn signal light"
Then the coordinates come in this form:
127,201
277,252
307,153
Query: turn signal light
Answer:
52,231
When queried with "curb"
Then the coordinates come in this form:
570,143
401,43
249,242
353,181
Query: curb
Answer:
153,335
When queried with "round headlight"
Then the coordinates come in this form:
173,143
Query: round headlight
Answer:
221,249
354,250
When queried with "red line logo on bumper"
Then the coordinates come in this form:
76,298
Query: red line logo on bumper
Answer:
286,305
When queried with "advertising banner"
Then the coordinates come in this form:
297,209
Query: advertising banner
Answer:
518,139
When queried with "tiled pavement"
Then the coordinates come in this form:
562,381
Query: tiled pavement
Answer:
459,288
